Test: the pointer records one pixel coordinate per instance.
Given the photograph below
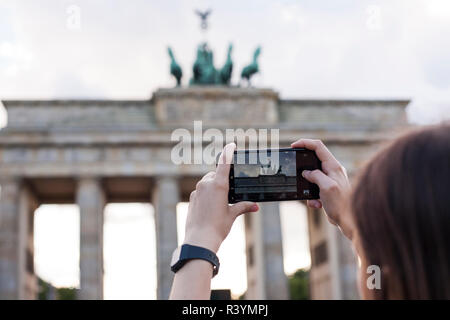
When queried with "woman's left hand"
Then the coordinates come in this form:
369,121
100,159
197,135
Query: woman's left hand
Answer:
210,217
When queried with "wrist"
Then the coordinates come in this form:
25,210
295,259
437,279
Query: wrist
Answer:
205,241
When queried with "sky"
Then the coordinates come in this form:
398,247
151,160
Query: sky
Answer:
113,49
310,48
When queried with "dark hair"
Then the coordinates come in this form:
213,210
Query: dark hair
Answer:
401,206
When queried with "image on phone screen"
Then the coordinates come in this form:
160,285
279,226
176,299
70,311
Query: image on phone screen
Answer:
272,175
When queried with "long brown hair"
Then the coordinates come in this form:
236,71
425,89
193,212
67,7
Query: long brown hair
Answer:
401,206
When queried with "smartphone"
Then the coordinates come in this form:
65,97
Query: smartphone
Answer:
272,175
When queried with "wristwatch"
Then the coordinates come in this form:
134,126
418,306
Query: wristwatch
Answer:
187,252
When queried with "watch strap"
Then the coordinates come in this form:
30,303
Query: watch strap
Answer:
190,252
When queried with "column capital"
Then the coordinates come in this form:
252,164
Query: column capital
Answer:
82,178
168,177
18,180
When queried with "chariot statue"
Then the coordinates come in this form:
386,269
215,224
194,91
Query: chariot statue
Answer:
204,72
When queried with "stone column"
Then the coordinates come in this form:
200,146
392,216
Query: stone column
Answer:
91,201
28,284
9,239
333,273
265,269
165,197
17,205
348,268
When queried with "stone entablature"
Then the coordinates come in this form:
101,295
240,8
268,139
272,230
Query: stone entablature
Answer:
32,159
343,115
216,106
134,137
78,115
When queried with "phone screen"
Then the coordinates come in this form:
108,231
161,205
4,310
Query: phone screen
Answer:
272,175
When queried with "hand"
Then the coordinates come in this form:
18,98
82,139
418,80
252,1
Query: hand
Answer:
334,186
210,217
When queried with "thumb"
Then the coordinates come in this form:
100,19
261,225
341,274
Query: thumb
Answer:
243,207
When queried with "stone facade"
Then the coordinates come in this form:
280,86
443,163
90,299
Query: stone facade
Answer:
93,152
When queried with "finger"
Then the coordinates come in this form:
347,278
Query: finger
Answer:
321,150
204,179
223,166
208,176
192,195
315,204
319,178
243,207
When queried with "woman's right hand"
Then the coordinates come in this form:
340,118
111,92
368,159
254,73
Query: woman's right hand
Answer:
334,186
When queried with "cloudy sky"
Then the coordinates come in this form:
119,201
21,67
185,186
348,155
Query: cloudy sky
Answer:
116,49
311,48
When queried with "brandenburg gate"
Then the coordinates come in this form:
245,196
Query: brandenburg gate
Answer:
93,152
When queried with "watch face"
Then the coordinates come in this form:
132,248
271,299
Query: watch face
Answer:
175,256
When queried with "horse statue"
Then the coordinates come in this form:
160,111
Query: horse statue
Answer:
226,71
175,69
252,68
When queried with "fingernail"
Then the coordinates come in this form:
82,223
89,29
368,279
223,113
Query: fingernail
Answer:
304,173
255,207
317,205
